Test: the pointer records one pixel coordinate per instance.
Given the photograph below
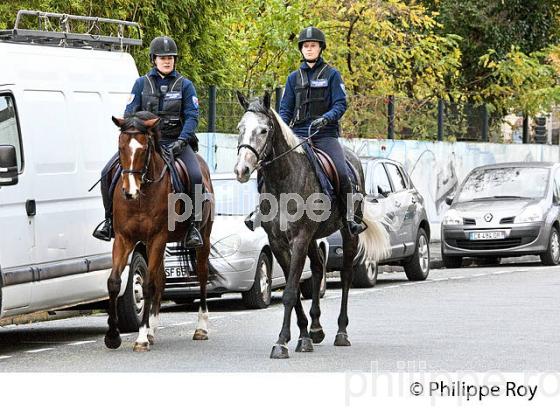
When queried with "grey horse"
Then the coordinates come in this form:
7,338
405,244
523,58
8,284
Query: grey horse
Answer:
291,206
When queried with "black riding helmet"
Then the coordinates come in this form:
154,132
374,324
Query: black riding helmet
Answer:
163,46
312,34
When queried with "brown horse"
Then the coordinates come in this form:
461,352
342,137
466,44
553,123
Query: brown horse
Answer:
140,212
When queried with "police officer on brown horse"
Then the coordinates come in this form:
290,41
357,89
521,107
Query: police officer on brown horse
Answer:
172,97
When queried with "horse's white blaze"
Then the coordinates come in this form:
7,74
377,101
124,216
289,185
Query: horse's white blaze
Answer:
202,320
154,322
142,335
134,145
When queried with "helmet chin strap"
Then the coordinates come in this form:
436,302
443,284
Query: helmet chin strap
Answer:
303,59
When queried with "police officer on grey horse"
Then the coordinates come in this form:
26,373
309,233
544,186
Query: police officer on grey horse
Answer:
315,96
166,93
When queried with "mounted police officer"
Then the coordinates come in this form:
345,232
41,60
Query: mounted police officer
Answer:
169,95
315,96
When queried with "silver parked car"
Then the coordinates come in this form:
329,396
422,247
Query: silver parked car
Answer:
388,184
509,209
240,260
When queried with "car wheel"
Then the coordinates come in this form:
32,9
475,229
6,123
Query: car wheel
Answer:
130,306
306,287
365,274
259,296
552,255
418,267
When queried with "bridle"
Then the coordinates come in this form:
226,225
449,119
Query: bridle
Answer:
144,171
261,163
264,163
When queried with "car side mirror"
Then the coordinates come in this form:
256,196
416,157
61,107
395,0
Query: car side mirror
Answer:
449,200
8,165
382,192
371,198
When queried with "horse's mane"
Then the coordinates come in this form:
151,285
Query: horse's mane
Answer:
258,107
136,121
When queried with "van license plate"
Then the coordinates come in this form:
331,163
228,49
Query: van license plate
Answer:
481,236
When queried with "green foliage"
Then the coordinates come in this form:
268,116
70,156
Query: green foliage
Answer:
194,24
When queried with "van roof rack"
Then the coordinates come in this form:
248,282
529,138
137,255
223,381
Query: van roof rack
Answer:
59,33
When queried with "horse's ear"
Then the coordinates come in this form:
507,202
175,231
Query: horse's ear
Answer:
151,123
266,100
242,100
119,122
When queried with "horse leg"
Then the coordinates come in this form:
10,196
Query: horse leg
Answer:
282,254
159,285
202,253
290,297
317,262
349,246
156,249
121,249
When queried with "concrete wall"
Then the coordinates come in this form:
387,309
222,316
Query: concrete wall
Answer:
436,168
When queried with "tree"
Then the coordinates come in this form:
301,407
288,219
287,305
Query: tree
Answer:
194,24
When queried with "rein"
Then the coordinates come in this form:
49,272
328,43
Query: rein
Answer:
261,163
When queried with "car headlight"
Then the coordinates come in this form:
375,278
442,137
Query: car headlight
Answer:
453,217
532,213
226,246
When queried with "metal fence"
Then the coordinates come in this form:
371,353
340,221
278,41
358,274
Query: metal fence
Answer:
374,117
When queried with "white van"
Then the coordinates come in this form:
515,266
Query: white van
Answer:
56,134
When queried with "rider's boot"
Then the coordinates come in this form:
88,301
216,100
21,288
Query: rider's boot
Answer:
193,238
354,220
252,219
104,232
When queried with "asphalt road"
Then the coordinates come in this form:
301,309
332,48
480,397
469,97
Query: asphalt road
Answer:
501,318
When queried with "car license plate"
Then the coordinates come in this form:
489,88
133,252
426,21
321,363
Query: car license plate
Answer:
176,272
482,236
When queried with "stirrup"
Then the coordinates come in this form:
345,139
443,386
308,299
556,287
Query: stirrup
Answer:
104,232
193,238
250,221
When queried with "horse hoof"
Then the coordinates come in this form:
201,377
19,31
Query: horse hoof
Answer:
200,334
279,352
151,339
341,339
317,335
112,341
304,345
141,347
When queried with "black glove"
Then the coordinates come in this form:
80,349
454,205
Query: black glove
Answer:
319,122
192,140
178,146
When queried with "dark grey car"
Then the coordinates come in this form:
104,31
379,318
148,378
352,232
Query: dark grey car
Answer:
388,184
509,209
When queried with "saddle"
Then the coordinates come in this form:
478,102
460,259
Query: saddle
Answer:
327,173
181,171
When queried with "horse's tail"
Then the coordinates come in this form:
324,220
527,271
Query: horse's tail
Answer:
373,243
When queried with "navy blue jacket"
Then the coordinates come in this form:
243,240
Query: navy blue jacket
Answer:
336,101
190,100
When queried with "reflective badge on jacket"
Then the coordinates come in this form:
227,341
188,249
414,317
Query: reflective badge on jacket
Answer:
173,96
319,83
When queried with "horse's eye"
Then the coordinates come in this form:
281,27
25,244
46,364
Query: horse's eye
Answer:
264,131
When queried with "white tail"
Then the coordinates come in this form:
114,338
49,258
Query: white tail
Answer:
373,243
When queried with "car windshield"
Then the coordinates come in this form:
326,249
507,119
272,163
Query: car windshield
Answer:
234,198
505,183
